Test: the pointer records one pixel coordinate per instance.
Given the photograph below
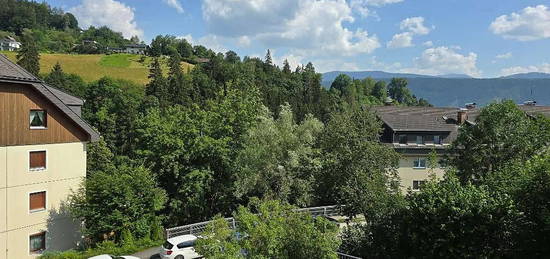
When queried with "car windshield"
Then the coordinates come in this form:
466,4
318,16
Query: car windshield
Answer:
167,245
116,257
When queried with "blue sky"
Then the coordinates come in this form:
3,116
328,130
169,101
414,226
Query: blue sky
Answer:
482,38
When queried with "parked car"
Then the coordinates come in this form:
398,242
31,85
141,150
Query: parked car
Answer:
180,247
113,257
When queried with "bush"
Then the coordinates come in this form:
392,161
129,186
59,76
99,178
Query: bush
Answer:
105,247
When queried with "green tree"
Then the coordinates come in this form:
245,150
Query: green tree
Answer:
399,92
358,171
123,199
268,60
27,56
157,85
278,159
501,134
270,230
286,67
380,91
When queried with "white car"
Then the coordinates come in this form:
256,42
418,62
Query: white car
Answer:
113,257
180,247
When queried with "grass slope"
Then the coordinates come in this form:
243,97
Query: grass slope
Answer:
94,67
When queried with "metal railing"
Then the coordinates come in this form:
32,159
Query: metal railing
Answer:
198,228
345,256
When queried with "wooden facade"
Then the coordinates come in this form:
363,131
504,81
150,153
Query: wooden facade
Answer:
16,102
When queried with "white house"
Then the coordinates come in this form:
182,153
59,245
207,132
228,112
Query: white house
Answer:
9,44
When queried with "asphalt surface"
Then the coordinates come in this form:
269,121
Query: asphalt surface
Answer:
151,253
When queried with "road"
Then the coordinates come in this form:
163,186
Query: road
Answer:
151,253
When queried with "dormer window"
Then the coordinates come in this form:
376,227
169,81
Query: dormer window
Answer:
38,119
402,139
420,140
437,140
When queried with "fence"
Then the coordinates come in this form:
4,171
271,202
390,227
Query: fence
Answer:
197,228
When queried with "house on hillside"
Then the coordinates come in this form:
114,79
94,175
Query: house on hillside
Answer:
9,44
415,131
42,158
139,49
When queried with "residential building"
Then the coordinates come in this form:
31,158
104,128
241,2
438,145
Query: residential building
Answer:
414,132
9,44
42,158
139,49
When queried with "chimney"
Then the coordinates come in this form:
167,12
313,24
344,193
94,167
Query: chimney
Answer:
462,116
530,103
470,106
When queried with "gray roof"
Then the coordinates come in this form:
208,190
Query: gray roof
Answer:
401,118
12,73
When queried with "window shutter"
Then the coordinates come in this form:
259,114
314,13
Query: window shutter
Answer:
38,159
37,200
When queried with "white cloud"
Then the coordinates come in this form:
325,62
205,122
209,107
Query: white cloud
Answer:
210,41
444,60
414,25
506,55
401,40
531,23
306,27
116,15
428,43
381,2
542,68
175,4
411,26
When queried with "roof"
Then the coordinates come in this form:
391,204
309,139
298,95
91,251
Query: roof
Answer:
12,73
401,118
183,238
136,46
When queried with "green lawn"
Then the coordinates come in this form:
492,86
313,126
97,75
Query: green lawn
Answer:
93,67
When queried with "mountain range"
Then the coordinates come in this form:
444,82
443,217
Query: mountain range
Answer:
454,90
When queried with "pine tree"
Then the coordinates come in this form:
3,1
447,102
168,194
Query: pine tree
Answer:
286,67
157,83
28,56
268,59
176,81
57,76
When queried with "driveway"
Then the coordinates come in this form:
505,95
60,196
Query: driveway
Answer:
151,253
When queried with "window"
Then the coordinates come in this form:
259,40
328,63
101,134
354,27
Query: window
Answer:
420,140
186,244
419,163
37,160
402,139
417,184
37,201
38,119
437,140
37,242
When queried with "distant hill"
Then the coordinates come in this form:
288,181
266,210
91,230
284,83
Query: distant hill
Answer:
94,67
454,76
532,75
330,76
455,92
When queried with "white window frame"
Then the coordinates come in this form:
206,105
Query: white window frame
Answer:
45,201
45,242
44,169
45,118
418,159
420,182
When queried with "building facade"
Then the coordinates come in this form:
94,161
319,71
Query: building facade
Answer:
42,159
418,132
9,44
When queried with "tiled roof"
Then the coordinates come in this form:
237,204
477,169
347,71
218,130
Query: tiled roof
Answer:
10,70
401,118
12,73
